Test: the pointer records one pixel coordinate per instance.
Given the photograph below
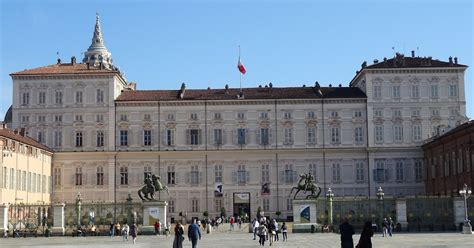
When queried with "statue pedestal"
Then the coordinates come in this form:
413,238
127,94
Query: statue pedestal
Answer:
304,216
153,211
58,220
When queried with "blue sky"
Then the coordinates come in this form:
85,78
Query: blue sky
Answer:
160,44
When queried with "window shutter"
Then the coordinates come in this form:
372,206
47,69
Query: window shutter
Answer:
270,136
235,136
224,139
295,176
282,177
200,178
188,177
106,179
188,137
386,175
141,137
247,176
259,136
176,177
199,136
164,137
247,136
73,180
211,137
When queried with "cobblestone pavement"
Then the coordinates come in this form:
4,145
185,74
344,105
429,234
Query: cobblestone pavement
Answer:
241,239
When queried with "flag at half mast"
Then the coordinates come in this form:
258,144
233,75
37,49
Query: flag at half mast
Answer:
241,67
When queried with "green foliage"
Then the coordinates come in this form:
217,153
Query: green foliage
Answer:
205,214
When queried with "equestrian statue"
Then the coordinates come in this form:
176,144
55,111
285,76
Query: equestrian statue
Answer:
307,183
152,185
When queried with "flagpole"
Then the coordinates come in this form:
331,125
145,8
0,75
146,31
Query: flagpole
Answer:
240,74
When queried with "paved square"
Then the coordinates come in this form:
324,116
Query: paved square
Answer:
241,239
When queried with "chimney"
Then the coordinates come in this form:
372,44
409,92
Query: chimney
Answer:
22,132
88,66
450,60
73,60
59,61
455,60
412,53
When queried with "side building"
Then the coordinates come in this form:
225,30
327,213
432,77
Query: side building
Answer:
230,148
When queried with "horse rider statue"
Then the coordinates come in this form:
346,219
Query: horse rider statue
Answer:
307,183
152,185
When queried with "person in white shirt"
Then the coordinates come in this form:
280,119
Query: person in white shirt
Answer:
255,226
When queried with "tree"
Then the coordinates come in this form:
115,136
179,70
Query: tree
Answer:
223,212
278,213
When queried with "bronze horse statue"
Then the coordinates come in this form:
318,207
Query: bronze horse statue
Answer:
306,183
152,185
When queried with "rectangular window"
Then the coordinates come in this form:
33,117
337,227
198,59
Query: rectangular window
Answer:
453,90
396,91
170,117
379,133
415,113
311,138
358,135
124,137
171,175
335,135
218,137
357,114
418,171
194,116
287,115
400,171
241,174
100,96
170,137
334,114
378,113
336,172
240,115
78,176
435,112
41,119
398,133
58,118
311,115
57,176
171,205
379,171
147,137
195,205
78,138
264,136
100,138
360,172
288,136
218,173
100,175
99,118
289,173
58,138
289,204
25,98
25,119
42,98
266,204
123,175
194,136
265,173
78,118
217,205
417,132
397,113
58,97
453,112
147,117
377,92
313,169
241,133
415,92
194,175
78,96
434,91
123,118
217,116
41,137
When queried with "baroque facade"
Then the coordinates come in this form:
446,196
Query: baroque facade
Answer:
231,148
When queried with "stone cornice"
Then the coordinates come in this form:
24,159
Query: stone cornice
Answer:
60,77
414,70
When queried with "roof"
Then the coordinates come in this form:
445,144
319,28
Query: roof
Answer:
10,134
400,61
249,94
65,68
467,125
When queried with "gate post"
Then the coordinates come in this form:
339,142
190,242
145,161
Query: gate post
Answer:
458,204
58,219
401,208
3,218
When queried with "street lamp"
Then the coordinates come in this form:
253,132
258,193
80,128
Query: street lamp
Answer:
78,204
330,196
466,193
380,194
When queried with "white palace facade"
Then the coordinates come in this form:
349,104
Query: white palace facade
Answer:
250,145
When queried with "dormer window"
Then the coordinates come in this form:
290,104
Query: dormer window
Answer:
217,116
264,115
334,114
287,115
311,114
123,118
358,114
170,117
241,115
194,116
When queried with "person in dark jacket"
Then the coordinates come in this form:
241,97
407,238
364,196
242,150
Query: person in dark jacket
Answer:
178,236
347,231
365,240
194,234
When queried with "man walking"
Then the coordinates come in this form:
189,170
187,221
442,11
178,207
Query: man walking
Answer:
347,231
390,226
255,227
194,234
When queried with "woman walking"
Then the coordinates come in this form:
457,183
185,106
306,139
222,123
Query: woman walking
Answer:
178,236
365,240
134,232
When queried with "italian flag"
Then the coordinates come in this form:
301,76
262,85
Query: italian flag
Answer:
241,67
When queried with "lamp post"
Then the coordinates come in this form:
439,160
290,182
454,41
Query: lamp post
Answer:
130,208
330,196
466,193
78,205
380,194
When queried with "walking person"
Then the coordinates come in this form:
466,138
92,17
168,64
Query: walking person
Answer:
134,232
347,231
365,240
384,227
178,236
262,234
231,221
284,231
277,230
271,232
255,226
112,229
390,226
194,234
125,231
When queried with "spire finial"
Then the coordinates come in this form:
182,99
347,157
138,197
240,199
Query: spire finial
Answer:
97,51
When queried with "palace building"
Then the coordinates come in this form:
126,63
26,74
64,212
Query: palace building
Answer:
231,148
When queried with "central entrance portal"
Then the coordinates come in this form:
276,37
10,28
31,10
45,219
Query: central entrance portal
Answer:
242,204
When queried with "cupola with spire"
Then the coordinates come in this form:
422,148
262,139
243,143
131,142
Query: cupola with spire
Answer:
97,54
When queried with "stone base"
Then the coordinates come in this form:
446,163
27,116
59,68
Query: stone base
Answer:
58,231
306,228
467,229
152,211
148,230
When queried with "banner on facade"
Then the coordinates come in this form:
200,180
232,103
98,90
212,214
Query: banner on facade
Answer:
304,214
218,192
265,188
241,198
